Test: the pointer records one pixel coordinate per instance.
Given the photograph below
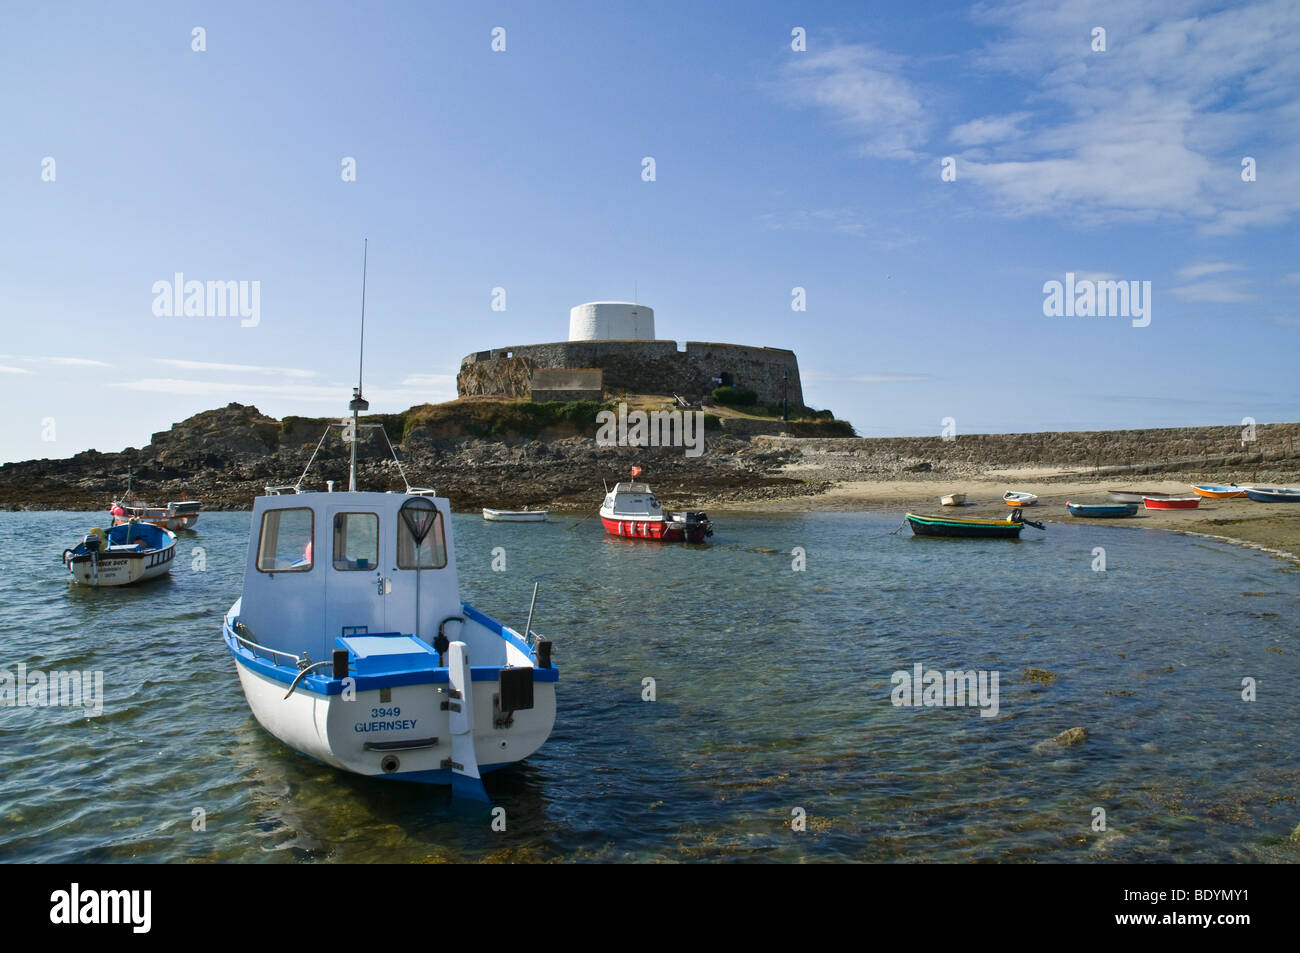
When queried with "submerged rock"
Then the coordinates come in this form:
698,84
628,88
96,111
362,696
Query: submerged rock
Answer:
1040,675
1066,739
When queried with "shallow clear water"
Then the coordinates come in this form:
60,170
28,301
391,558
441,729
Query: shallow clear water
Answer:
773,693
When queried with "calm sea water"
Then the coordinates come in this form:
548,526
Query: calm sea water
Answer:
772,697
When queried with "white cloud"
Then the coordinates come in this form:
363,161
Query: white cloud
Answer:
1153,129
415,389
439,381
1156,126
828,377
1216,292
231,390
13,370
844,221
232,368
58,361
72,361
864,90
1192,272
989,129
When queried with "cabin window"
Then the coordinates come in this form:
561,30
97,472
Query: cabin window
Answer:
432,553
286,541
356,541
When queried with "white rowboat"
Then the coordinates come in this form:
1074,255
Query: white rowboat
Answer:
515,516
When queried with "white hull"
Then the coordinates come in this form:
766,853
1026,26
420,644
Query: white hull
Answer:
336,732
515,516
953,499
123,570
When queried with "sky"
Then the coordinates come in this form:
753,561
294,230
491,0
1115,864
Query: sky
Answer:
921,171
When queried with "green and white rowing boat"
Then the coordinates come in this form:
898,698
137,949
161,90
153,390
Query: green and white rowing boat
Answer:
1008,528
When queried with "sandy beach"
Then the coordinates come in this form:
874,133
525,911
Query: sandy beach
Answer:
1273,527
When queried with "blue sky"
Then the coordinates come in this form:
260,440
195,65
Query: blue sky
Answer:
775,169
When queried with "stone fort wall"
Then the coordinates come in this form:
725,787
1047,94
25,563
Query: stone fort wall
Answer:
639,367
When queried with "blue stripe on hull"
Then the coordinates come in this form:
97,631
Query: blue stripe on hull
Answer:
322,685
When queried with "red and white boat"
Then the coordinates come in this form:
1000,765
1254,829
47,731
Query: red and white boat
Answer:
1172,503
631,510
172,517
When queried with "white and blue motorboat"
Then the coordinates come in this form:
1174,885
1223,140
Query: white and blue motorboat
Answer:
129,552
1273,494
353,646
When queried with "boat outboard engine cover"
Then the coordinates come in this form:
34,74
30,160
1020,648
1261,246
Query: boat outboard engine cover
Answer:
1015,515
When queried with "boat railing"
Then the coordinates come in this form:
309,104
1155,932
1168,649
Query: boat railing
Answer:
297,487
297,660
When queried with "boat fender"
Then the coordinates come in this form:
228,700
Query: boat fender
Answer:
340,661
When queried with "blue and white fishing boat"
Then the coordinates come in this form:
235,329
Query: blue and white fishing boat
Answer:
129,552
1273,494
353,646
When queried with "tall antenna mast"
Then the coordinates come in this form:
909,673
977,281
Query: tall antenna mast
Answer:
361,357
359,403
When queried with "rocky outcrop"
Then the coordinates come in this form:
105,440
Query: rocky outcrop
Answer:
226,457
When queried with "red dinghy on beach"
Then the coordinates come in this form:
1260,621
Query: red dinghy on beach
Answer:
1172,503
631,510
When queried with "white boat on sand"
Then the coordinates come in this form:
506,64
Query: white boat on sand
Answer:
953,499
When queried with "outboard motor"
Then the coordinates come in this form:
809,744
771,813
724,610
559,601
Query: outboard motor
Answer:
91,542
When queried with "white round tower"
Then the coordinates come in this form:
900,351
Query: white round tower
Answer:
611,321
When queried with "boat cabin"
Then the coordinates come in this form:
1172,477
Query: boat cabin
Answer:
632,501
324,566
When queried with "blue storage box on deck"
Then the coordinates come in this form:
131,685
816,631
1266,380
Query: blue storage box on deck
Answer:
387,653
